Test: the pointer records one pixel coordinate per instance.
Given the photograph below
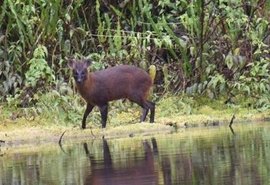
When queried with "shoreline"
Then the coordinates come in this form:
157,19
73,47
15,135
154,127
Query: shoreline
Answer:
16,134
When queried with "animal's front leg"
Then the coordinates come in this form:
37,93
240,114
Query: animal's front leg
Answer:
89,108
104,114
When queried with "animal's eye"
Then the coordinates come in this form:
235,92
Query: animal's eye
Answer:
84,72
75,73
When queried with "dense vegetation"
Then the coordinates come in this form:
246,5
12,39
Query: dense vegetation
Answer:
199,47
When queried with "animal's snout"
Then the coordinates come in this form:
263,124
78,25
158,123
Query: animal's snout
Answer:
79,80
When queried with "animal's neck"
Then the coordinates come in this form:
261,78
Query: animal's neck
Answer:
85,87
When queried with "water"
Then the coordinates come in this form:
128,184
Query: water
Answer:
194,156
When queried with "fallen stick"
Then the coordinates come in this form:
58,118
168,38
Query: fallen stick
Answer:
60,139
230,125
231,122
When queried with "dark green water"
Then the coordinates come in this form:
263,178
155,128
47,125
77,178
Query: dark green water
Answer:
193,156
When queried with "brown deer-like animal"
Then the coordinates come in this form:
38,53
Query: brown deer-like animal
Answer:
123,81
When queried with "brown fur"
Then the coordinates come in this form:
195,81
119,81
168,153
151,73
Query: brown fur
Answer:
123,81
115,83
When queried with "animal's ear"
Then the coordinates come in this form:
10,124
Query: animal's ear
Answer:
71,63
87,62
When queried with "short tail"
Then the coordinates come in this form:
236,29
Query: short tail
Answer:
152,72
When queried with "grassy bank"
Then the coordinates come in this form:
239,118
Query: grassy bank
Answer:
46,123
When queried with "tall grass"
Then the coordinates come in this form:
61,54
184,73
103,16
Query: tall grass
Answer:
196,46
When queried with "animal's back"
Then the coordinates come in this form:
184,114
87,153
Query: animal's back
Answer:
122,81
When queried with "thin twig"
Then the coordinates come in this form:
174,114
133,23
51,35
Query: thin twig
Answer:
230,125
60,139
231,122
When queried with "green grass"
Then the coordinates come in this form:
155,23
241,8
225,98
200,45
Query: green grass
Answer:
53,115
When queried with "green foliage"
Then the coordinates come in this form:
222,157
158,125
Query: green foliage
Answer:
211,48
256,81
175,106
39,70
65,108
10,80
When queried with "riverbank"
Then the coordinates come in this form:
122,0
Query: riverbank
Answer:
23,127
18,133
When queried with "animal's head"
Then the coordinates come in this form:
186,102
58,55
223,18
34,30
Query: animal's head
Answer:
79,69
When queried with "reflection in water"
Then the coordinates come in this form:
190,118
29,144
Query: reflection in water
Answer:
196,156
231,128
105,172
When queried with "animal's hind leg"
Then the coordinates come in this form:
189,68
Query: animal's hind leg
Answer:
143,104
152,107
146,106
144,114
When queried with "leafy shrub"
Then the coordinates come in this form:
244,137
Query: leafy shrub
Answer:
39,70
211,48
10,80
